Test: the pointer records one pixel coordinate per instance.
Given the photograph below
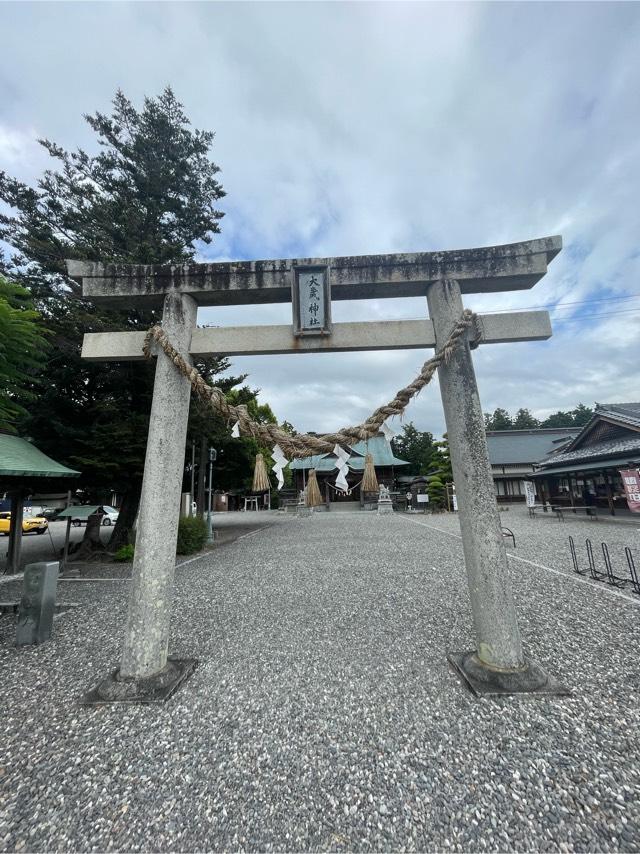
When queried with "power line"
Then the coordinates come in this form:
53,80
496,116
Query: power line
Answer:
552,308
602,314
561,304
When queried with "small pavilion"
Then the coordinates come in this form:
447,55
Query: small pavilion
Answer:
384,461
25,470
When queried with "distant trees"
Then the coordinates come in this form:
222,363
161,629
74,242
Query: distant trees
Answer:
425,455
524,420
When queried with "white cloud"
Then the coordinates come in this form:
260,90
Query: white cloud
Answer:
368,127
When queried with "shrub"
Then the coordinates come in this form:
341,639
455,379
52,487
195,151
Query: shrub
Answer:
435,489
124,554
192,535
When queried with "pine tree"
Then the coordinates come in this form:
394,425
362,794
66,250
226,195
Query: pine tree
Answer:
22,351
500,420
524,420
148,196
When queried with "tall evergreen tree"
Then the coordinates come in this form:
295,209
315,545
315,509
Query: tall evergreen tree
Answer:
500,420
22,351
414,446
149,195
524,420
581,414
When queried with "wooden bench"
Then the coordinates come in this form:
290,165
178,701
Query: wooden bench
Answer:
560,510
532,509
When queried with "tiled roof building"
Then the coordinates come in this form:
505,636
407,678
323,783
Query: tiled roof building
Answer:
588,468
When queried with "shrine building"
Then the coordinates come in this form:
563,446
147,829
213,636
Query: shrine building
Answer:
384,461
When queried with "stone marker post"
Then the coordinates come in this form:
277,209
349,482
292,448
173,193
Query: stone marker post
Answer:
147,633
499,648
37,606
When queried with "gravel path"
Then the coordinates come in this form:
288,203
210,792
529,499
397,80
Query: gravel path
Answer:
323,714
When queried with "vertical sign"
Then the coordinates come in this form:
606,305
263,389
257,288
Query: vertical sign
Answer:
311,298
530,492
631,481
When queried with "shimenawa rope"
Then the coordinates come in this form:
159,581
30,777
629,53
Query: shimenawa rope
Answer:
305,444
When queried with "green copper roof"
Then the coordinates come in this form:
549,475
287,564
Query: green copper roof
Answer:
19,458
378,447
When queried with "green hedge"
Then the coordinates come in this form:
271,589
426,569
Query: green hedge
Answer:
192,535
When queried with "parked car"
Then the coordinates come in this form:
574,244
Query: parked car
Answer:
110,517
30,524
49,513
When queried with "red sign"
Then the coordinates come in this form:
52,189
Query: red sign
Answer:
631,481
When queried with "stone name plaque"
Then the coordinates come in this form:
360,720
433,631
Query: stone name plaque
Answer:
311,299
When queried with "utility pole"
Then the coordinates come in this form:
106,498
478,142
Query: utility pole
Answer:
212,458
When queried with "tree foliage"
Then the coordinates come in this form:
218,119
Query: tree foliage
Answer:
499,420
414,446
149,195
22,346
425,455
524,420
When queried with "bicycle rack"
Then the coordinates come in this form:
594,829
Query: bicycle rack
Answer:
608,575
632,570
595,574
615,580
574,558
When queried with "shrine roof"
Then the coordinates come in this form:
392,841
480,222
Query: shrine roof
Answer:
377,446
19,458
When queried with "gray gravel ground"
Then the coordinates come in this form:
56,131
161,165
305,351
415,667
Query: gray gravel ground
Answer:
323,714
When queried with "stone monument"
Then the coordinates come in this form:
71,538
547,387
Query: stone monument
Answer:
385,505
38,603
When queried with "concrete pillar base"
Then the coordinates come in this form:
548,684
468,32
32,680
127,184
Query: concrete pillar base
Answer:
487,682
384,507
152,689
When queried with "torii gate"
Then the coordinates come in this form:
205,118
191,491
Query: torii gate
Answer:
498,664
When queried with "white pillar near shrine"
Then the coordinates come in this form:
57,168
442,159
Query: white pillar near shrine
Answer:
146,639
494,615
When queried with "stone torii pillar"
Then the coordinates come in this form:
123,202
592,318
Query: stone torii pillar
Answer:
498,664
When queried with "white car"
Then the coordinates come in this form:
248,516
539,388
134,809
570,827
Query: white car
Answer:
110,516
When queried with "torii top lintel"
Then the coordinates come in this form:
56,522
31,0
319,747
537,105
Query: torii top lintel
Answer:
514,266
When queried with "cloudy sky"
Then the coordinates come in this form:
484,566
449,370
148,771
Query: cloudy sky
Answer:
358,128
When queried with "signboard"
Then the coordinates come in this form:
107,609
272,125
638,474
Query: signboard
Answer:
311,298
423,498
530,492
631,481
454,499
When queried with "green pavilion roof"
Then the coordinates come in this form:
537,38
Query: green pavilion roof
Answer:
79,511
19,458
377,446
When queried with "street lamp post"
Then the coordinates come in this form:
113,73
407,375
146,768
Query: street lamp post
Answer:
212,458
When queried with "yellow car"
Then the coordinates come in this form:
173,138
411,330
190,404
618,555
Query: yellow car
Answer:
29,524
